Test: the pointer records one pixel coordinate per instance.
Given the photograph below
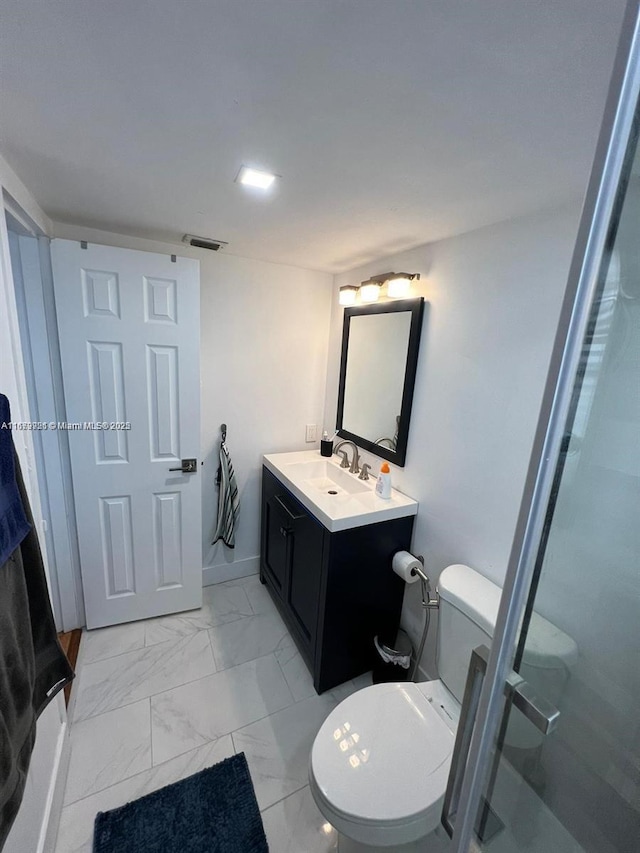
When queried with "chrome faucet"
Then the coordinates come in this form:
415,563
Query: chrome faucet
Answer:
364,474
354,469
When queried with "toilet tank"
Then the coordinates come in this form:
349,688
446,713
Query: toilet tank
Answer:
466,619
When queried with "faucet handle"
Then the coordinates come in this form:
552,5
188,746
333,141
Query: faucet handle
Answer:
345,458
364,473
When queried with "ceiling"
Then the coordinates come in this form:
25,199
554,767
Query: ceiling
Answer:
392,122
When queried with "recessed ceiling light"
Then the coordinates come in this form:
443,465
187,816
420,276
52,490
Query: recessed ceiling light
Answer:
255,178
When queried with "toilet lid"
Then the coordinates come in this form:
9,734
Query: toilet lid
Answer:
377,756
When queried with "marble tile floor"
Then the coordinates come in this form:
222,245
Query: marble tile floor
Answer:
159,700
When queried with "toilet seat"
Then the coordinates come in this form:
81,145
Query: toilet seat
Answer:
380,762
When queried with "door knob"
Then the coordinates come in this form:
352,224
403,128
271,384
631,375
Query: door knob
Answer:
188,466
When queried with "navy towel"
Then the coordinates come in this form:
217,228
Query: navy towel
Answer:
13,521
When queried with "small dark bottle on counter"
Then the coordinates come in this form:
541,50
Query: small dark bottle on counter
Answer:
326,446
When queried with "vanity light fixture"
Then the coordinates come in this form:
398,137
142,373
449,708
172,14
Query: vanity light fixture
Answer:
399,284
348,294
255,178
398,287
370,291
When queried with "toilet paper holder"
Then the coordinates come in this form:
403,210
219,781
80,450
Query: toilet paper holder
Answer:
427,600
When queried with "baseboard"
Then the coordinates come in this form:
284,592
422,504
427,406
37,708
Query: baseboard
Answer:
230,571
55,797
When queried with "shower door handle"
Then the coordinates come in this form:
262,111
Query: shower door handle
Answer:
537,710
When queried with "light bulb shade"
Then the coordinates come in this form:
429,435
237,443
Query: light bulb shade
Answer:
369,292
398,287
347,295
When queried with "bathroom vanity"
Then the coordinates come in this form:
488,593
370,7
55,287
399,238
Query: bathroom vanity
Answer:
326,548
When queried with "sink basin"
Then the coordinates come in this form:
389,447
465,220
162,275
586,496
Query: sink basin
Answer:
336,486
338,499
327,477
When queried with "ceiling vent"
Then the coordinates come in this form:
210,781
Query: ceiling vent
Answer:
203,242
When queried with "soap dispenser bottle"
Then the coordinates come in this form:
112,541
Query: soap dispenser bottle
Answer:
326,445
383,485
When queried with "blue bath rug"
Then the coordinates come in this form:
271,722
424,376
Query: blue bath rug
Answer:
214,811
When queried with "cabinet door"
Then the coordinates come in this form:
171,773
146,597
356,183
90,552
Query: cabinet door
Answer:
292,561
305,573
277,551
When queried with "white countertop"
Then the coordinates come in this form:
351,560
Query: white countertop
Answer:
311,477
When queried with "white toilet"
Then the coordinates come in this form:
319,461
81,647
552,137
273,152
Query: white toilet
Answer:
380,762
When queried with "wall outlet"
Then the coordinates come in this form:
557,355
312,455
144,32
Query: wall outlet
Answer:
311,433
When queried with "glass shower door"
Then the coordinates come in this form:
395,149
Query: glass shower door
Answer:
570,780
547,756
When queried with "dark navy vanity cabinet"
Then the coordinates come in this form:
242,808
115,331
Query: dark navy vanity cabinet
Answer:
335,591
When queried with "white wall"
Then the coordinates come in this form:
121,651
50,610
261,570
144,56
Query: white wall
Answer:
264,333
36,824
12,185
493,300
265,330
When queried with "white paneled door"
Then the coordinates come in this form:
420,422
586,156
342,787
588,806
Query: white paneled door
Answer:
129,326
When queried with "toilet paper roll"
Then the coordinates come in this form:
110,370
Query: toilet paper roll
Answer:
404,565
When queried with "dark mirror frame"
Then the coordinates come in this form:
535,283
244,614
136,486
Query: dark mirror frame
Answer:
416,307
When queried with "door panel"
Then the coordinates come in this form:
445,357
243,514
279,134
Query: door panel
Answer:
162,379
167,538
106,383
129,340
117,545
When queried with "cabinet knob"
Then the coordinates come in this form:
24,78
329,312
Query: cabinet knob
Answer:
284,531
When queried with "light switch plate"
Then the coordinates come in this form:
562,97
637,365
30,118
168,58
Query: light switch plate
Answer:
311,433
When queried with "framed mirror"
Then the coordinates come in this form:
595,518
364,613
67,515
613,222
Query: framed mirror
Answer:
377,375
